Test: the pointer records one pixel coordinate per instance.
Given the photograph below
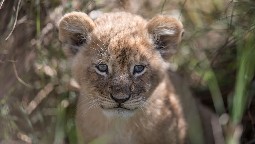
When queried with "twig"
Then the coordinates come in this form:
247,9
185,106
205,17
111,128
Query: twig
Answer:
162,7
183,5
42,94
232,15
17,76
90,5
24,137
1,4
17,13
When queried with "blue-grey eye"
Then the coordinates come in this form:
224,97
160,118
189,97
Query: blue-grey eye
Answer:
102,68
138,69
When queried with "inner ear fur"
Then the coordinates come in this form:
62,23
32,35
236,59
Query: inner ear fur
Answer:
166,33
74,31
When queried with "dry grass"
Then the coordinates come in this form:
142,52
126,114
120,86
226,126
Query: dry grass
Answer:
37,96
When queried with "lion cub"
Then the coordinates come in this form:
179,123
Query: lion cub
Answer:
128,95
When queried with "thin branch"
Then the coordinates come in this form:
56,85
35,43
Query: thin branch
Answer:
162,7
17,13
232,15
183,5
17,76
42,94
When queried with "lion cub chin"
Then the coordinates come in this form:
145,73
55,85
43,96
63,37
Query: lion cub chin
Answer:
118,112
128,95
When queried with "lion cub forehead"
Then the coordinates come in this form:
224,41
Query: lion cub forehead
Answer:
125,36
115,27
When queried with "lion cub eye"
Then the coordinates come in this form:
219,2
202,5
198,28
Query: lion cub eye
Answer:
138,69
103,68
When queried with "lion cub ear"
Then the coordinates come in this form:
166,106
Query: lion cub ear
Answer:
166,33
74,31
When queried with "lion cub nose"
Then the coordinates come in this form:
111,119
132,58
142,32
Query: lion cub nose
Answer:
120,98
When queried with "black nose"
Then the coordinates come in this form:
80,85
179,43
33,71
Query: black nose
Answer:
120,99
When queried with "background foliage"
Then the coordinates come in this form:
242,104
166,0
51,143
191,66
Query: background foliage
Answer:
37,94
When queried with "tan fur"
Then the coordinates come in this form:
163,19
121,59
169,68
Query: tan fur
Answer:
122,40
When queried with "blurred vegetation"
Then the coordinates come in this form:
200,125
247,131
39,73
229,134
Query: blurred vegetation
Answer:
37,94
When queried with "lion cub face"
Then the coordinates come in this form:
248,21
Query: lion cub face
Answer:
118,59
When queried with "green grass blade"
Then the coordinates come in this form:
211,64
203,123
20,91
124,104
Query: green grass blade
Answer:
244,77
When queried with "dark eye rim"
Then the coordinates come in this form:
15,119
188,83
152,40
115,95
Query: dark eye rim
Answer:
102,70
139,71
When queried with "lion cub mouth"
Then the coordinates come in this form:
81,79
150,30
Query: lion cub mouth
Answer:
118,111
119,107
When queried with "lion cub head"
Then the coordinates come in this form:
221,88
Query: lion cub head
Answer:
119,58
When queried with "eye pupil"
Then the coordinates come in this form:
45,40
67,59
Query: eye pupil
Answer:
138,69
102,67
